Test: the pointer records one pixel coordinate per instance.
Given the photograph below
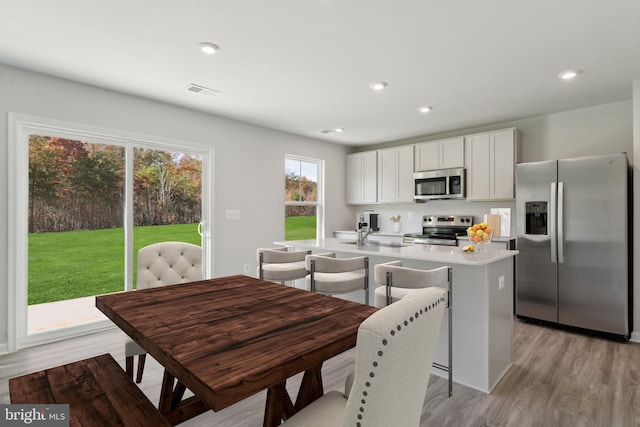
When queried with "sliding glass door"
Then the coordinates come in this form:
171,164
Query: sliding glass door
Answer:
85,202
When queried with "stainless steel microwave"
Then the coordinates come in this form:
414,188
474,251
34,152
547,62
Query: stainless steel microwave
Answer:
439,184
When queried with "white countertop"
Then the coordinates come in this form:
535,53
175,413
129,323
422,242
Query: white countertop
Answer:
493,239
399,234
375,233
443,254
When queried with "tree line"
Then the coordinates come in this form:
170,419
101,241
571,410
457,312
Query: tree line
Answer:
300,189
74,185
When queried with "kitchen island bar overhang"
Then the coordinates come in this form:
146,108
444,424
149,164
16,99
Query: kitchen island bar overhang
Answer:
482,301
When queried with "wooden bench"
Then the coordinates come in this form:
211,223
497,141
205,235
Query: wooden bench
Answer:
98,392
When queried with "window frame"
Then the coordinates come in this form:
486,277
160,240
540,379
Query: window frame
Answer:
319,203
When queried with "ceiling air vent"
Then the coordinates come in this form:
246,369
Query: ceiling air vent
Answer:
202,90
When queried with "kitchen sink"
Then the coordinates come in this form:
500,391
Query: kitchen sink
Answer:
375,243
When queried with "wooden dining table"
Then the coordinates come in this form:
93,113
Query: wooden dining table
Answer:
228,338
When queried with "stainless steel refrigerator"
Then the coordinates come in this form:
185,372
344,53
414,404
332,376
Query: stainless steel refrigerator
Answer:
572,233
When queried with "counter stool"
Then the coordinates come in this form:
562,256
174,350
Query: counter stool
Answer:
281,265
329,275
399,281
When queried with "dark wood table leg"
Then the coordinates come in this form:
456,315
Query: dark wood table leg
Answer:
171,405
311,387
166,392
278,406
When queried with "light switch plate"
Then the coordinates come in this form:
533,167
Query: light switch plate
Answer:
233,214
501,282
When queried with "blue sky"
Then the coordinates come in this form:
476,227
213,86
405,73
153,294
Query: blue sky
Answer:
302,168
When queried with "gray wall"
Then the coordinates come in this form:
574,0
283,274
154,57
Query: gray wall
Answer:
249,161
602,129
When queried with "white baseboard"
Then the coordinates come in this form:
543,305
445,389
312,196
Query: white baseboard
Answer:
635,337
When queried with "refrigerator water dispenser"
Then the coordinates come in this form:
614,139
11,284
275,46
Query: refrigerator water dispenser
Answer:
536,218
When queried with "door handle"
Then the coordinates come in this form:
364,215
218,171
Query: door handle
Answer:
561,222
552,223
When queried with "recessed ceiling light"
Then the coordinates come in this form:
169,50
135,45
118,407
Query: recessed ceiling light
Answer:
335,130
425,109
208,48
569,74
378,85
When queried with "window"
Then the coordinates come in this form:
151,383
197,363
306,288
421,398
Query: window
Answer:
304,210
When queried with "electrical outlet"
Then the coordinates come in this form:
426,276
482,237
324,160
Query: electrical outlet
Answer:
233,214
501,282
410,216
246,268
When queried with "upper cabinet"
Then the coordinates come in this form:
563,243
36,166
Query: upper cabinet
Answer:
362,177
395,175
386,175
441,154
490,162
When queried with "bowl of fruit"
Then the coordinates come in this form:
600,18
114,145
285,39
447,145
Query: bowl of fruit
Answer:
479,235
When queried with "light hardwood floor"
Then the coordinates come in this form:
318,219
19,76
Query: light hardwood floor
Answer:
558,378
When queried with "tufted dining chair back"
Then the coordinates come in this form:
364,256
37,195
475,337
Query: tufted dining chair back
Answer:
168,263
394,352
395,348
161,264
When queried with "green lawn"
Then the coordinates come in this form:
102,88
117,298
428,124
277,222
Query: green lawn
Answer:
300,227
76,264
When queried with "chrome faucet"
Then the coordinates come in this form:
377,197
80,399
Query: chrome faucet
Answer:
363,233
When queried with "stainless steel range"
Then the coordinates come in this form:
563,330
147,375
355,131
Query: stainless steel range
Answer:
441,230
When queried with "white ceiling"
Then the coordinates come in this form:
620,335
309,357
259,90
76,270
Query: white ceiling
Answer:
303,66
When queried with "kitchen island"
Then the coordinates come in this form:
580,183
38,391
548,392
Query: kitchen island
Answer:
482,301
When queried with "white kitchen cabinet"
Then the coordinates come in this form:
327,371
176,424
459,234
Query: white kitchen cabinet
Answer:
362,177
490,163
441,154
395,175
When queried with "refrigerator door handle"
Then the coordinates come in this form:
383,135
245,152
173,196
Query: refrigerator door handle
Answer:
552,223
560,223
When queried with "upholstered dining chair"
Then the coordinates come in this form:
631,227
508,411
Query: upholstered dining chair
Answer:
160,264
331,276
394,351
281,265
